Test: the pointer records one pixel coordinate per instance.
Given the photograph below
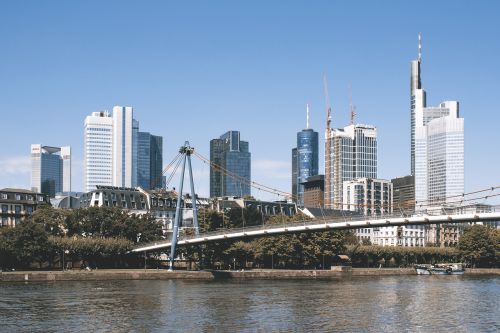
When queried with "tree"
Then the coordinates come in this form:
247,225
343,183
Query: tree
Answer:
113,222
53,220
30,242
480,246
7,254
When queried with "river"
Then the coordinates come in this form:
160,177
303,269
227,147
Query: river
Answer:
357,304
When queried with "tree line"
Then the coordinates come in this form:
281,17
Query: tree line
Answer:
103,236
95,236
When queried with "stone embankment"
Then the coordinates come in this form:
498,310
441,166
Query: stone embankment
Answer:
153,274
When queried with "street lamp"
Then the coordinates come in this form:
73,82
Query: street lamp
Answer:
64,252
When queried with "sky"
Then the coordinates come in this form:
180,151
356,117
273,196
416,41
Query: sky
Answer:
193,70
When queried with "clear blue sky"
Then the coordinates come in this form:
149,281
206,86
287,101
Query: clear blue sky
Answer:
193,70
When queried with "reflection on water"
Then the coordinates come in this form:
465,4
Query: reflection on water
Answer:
378,304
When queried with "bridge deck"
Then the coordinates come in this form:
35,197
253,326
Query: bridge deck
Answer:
320,225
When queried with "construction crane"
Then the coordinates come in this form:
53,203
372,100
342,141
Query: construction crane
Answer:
328,162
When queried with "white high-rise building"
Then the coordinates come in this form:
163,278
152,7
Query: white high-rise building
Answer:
353,154
98,151
125,129
437,146
50,169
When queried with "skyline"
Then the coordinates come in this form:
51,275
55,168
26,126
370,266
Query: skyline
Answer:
274,70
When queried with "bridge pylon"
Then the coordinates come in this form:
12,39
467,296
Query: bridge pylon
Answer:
186,152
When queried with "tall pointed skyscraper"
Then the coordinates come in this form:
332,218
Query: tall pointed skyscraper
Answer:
417,99
437,145
304,160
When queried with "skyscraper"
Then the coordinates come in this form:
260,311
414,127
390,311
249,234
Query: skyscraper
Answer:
50,169
353,154
231,154
98,151
417,100
295,173
149,160
125,129
437,145
306,163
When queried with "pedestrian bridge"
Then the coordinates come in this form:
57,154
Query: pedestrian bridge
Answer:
319,225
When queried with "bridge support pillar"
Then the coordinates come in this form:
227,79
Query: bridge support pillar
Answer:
186,151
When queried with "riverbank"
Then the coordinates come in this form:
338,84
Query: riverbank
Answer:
153,274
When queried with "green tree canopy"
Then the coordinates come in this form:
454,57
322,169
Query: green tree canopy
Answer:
480,245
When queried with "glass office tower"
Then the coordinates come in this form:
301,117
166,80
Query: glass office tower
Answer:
232,155
149,160
306,162
50,169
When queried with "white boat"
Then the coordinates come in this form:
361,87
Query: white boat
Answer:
440,269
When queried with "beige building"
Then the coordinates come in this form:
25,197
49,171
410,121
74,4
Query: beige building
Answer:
17,204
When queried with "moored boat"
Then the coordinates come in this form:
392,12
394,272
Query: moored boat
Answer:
440,269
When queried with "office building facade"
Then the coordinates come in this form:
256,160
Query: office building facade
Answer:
233,157
50,169
404,194
149,161
371,197
98,151
314,192
353,154
125,133
295,172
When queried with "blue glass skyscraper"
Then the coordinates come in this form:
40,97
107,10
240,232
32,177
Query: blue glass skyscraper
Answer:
304,160
231,154
149,160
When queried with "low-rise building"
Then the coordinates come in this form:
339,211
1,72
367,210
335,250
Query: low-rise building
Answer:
66,200
411,235
17,204
267,208
369,197
161,204
448,234
314,191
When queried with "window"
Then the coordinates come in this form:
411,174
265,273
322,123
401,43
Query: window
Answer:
18,197
4,195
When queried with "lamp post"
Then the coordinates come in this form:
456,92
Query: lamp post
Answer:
64,252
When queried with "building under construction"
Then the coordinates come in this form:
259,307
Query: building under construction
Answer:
351,152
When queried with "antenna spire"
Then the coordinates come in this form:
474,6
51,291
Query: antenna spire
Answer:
307,116
352,108
419,47
328,106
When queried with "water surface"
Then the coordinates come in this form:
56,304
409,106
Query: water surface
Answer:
358,304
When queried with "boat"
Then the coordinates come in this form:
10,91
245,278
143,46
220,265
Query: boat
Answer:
423,269
440,269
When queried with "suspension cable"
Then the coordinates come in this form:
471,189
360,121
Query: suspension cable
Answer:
158,179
